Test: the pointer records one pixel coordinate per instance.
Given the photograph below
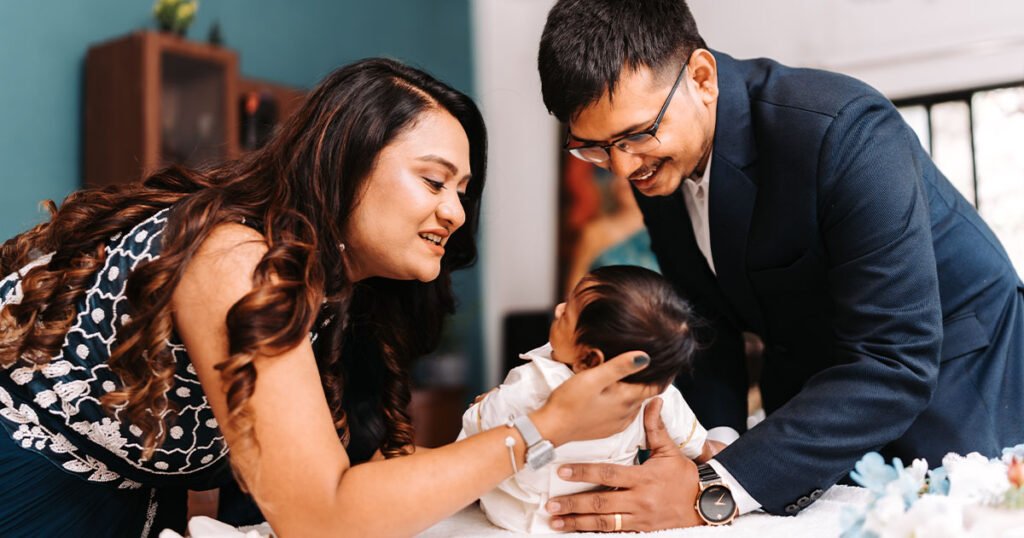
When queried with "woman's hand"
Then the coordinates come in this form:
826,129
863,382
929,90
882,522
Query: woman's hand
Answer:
594,403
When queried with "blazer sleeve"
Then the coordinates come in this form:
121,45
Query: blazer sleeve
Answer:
881,276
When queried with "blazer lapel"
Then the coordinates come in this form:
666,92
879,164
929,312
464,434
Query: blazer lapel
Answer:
733,192
730,207
681,261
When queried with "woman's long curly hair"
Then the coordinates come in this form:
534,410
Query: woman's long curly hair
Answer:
301,189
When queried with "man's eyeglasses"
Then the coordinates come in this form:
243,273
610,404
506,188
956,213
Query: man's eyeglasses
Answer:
641,142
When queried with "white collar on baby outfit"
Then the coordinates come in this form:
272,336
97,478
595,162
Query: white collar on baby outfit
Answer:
553,372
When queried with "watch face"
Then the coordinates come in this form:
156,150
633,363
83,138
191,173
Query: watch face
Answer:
716,504
540,454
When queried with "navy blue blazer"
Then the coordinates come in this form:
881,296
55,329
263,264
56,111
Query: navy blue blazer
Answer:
892,317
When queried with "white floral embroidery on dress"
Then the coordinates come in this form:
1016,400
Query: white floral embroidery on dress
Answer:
78,375
45,398
40,438
57,369
23,375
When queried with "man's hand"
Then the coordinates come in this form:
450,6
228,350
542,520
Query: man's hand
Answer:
660,494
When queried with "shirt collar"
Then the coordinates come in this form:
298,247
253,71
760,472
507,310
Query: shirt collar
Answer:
705,178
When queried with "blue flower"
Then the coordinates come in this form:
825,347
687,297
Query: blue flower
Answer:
938,481
909,486
872,473
851,520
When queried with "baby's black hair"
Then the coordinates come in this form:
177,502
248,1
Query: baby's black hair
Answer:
628,308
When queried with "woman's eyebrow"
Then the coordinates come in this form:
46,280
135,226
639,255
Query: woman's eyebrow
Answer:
452,169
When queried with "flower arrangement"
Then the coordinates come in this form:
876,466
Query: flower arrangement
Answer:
968,496
175,15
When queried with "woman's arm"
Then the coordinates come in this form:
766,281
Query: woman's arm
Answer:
301,476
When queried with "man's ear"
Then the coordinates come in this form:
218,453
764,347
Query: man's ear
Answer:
704,71
594,357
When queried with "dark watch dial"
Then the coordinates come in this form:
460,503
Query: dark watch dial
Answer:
716,503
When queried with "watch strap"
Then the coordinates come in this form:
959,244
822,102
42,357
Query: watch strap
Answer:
706,474
529,432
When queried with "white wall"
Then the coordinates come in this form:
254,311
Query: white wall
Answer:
902,47
519,227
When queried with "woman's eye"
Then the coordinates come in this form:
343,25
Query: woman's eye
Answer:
435,185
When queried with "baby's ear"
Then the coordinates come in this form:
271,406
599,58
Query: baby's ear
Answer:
594,357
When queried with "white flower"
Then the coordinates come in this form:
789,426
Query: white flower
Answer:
974,478
918,470
886,509
1013,452
934,516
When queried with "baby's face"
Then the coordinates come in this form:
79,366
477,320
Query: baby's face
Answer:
563,332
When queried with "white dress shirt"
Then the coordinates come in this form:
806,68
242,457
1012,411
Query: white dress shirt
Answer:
696,193
517,504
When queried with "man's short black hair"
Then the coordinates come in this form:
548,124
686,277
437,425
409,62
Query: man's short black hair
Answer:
628,308
587,43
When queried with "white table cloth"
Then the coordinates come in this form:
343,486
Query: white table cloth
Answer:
820,520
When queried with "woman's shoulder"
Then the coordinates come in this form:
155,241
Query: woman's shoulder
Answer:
224,263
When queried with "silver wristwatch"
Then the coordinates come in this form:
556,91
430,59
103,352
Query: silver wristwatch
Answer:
539,451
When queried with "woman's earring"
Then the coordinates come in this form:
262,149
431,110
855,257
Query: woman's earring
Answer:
341,246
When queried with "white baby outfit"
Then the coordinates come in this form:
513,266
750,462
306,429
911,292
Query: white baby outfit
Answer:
517,504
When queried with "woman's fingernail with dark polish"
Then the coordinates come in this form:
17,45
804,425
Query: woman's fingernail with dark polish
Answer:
641,360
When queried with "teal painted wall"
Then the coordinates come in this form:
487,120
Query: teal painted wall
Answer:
296,42
43,45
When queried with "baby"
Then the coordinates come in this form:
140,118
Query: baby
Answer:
611,311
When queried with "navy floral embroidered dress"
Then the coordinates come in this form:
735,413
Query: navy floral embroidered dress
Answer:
67,467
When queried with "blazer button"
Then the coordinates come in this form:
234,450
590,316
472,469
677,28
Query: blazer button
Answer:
802,502
816,494
792,509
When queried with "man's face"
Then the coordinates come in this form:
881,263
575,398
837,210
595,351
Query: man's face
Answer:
686,131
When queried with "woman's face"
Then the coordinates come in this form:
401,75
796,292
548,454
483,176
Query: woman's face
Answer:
410,202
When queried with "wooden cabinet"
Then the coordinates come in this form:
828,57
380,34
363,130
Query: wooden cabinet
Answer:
152,99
